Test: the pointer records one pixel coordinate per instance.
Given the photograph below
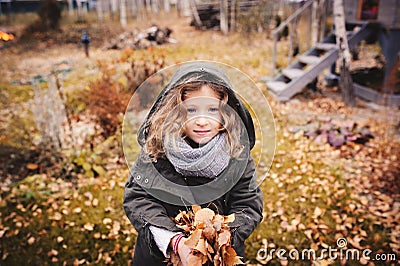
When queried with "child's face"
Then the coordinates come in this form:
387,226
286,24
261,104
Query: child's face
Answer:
203,115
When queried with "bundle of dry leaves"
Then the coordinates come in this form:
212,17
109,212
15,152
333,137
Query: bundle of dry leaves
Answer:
209,238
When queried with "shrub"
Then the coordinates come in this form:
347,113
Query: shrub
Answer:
106,100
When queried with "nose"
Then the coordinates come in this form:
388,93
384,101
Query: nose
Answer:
201,121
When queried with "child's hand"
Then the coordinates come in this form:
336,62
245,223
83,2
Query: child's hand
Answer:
184,252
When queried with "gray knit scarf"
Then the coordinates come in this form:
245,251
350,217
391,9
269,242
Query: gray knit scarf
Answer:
206,161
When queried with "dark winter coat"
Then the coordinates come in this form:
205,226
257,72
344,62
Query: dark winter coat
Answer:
149,183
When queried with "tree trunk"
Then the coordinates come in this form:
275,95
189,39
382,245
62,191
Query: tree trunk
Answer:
122,10
148,5
99,9
133,9
71,7
233,15
315,23
224,16
346,82
140,9
114,7
79,6
167,8
155,4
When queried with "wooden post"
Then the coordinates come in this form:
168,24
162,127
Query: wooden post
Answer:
346,82
324,10
315,26
274,53
195,14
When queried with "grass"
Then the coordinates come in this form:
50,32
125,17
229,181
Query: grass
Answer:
80,223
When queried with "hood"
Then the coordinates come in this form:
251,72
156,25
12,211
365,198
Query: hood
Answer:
201,71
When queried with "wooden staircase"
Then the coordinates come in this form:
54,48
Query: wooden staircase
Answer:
308,66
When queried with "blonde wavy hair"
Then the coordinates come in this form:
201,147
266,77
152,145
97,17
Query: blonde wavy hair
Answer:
167,121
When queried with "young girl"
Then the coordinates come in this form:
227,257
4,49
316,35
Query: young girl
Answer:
196,143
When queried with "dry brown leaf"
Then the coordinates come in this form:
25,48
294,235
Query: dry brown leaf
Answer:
201,246
32,166
194,238
209,248
317,212
175,260
209,232
203,215
218,221
224,237
196,208
217,260
195,260
184,227
229,256
31,240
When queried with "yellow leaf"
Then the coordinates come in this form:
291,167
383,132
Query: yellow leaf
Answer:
230,218
88,227
317,212
107,221
196,208
32,166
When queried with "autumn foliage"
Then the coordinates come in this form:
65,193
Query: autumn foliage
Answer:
106,100
209,238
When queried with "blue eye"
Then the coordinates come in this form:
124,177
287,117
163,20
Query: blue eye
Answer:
213,110
191,110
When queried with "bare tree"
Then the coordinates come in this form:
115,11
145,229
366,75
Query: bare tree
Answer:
233,14
114,7
166,6
70,7
346,82
155,5
99,9
122,12
224,16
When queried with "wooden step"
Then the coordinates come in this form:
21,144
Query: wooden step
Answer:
276,86
293,73
325,46
309,59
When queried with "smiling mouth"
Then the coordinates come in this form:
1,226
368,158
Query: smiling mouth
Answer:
201,132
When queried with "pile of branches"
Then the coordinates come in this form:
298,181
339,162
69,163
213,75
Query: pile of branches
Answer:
140,40
209,238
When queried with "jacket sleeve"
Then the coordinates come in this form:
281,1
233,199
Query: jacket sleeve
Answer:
246,201
144,210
